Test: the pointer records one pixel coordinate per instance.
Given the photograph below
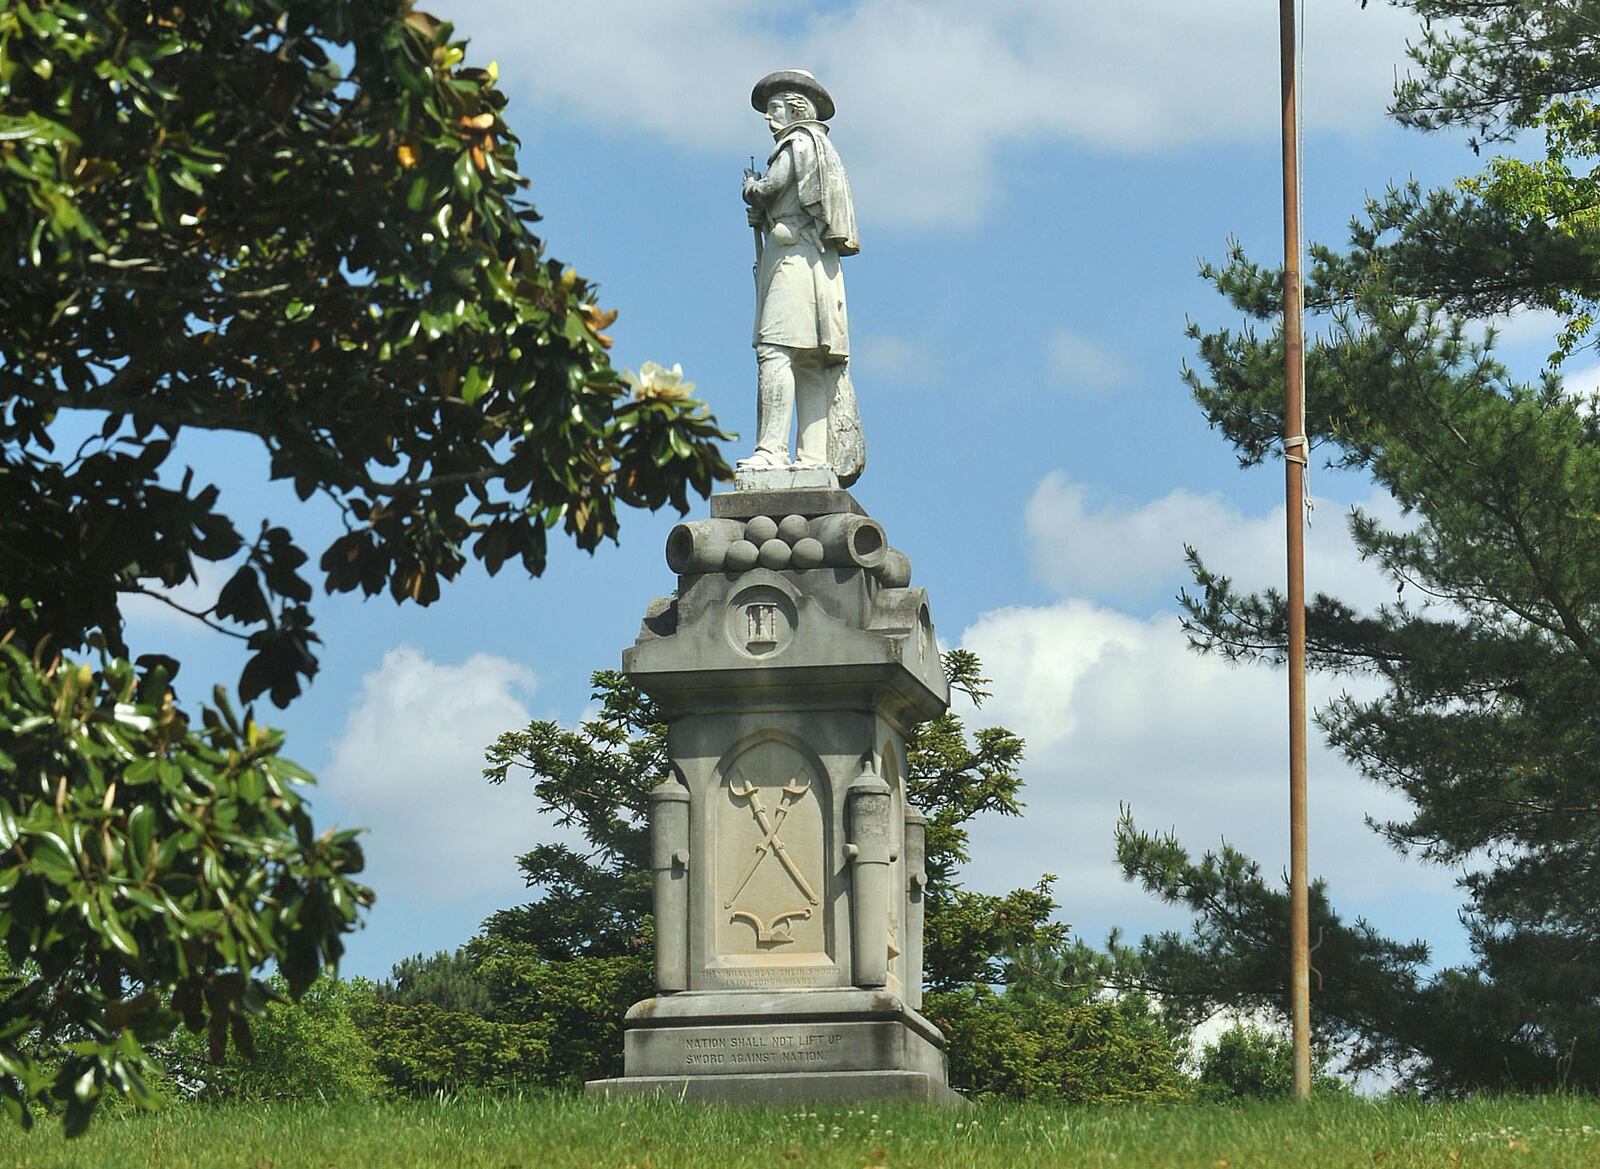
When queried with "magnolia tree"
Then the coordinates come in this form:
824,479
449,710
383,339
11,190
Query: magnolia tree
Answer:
300,222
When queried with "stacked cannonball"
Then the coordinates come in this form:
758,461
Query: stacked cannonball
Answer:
775,544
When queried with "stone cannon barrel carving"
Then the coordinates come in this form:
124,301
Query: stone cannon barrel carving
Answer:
669,868
869,851
834,541
850,540
895,571
701,545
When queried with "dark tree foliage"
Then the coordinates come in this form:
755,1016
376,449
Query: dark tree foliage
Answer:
311,1049
151,866
421,1049
1366,996
1063,1024
596,779
1522,233
299,222
1496,66
209,224
1076,1049
1489,656
447,980
952,780
1244,1063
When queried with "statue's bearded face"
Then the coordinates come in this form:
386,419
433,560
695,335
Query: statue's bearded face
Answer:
785,109
778,115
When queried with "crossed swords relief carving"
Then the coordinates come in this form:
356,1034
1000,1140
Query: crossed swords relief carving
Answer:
780,930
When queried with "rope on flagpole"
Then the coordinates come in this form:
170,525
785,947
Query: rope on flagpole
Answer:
1297,448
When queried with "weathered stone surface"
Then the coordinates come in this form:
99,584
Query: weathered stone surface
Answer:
764,1088
787,864
786,478
849,1003
783,501
779,1046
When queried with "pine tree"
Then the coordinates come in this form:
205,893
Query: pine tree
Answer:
1489,656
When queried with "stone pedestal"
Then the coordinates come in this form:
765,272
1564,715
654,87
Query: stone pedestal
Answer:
787,865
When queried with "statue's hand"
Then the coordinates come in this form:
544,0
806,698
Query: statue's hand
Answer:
755,215
752,189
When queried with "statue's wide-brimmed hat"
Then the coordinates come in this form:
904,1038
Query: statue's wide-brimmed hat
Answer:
792,81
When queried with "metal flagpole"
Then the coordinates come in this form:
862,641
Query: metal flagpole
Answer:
1296,450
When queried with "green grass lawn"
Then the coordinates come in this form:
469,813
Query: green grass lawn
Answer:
558,1132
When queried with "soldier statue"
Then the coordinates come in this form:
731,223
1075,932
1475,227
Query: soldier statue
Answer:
804,222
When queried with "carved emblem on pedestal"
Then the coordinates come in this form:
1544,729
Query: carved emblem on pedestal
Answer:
772,872
761,621
761,627
772,844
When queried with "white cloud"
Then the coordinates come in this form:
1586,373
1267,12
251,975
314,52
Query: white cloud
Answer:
1070,529
1582,382
930,92
1082,364
409,767
1117,710
1527,327
893,359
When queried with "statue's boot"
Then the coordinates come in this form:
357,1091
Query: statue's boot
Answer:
761,460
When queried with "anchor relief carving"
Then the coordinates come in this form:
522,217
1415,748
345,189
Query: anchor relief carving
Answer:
780,930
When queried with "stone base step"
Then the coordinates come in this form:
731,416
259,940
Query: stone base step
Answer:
786,1088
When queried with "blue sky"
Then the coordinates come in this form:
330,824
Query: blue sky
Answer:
1034,182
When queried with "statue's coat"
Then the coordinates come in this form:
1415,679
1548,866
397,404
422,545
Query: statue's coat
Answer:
810,223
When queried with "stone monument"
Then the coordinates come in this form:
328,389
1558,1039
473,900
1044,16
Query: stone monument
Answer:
789,664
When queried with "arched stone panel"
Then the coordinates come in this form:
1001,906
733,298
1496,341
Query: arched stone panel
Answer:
771,889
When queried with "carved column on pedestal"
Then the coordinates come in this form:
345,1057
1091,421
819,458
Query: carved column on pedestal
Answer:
669,870
869,854
916,884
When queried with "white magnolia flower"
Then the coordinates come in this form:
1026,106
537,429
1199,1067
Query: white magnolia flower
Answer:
655,380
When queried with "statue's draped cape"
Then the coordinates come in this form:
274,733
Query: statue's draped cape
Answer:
824,189
810,223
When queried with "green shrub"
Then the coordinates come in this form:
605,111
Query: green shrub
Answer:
1248,1063
1093,1051
542,1022
307,1050
447,980
422,1048
577,1005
